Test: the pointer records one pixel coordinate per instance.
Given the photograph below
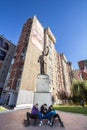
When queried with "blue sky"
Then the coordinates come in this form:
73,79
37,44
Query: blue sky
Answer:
66,18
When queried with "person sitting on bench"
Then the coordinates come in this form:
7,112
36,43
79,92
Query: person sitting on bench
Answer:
54,115
34,114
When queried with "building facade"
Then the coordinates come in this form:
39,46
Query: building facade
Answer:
83,69
58,77
50,42
76,74
67,74
7,50
23,77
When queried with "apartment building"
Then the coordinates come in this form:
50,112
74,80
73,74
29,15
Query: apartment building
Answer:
50,42
67,74
7,50
83,69
23,77
60,77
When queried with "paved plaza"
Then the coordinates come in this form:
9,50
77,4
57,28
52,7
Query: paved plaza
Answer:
13,120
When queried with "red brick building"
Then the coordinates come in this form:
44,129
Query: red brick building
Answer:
83,69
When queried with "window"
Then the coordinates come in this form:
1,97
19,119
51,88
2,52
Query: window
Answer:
3,44
18,83
2,55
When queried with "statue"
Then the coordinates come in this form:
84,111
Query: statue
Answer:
41,61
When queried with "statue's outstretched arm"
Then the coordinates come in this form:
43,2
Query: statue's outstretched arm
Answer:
45,54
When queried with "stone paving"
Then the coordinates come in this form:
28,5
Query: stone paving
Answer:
13,120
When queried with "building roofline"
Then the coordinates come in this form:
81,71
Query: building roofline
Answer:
51,35
35,17
7,40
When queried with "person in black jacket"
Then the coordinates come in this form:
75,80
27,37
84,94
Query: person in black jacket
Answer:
44,114
43,109
54,115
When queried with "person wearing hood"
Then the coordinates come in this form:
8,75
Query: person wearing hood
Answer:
34,114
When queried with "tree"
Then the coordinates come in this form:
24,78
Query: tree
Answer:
79,91
62,95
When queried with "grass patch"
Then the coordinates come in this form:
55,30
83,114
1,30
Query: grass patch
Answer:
73,109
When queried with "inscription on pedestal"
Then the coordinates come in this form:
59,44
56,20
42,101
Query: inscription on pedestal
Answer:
42,83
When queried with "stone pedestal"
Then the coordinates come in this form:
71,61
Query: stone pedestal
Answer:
42,83
42,94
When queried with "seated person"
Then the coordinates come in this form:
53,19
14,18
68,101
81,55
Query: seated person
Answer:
34,114
54,115
43,114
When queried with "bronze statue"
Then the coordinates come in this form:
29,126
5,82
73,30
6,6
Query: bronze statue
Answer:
41,60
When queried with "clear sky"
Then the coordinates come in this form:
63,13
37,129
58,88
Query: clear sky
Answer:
66,18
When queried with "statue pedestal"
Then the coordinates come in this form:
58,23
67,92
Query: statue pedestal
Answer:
42,94
42,83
